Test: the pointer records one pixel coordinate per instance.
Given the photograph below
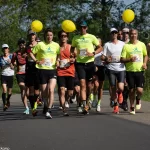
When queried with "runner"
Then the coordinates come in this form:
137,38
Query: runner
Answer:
19,57
124,104
84,44
99,78
115,69
65,70
7,74
120,35
47,54
32,80
134,55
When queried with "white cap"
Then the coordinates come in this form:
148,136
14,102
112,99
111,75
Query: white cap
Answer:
5,45
125,30
113,29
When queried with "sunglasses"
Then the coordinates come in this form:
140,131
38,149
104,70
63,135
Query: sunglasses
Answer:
5,47
126,32
114,32
63,36
83,27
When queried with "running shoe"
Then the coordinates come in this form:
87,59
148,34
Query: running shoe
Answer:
5,107
60,108
94,103
98,108
120,98
124,106
116,110
85,110
34,112
79,109
8,103
26,112
112,103
138,104
39,102
132,111
48,115
66,104
65,113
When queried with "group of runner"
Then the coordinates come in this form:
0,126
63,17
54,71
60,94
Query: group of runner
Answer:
78,69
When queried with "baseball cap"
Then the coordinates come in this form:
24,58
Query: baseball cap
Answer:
125,30
21,40
83,23
31,32
5,46
113,29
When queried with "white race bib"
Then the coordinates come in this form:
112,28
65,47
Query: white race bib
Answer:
83,52
115,58
138,58
47,62
22,68
64,63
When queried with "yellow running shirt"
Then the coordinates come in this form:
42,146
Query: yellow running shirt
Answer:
47,53
84,43
139,51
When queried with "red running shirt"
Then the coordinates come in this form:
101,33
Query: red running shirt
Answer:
70,69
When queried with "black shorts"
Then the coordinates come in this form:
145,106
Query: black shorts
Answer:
46,75
114,76
8,80
20,78
66,81
32,79
85,70
100,73
135,79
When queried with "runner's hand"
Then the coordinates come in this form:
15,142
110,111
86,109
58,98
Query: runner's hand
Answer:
133,59
144,66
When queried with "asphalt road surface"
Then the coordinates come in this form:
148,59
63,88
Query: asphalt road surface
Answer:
96,131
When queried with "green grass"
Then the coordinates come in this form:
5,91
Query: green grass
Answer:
146,96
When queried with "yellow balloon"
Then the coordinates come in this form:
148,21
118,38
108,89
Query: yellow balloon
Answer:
128,16
68,26
36,26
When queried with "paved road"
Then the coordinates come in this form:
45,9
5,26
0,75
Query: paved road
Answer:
77,132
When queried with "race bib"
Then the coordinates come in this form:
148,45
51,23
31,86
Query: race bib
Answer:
83,52
47,62
64,63
115,58
22,68
137,58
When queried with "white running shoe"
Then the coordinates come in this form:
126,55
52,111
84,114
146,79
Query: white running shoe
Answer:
66,104
94,103
26,111
79,110
48,115
98,109
73,99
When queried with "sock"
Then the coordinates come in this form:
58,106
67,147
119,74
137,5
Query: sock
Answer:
99,102
31,100
91,97
95,96
125,93
4,98
84,103
8,97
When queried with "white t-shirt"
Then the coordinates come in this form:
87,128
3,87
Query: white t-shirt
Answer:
97,59
114,50
5,64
